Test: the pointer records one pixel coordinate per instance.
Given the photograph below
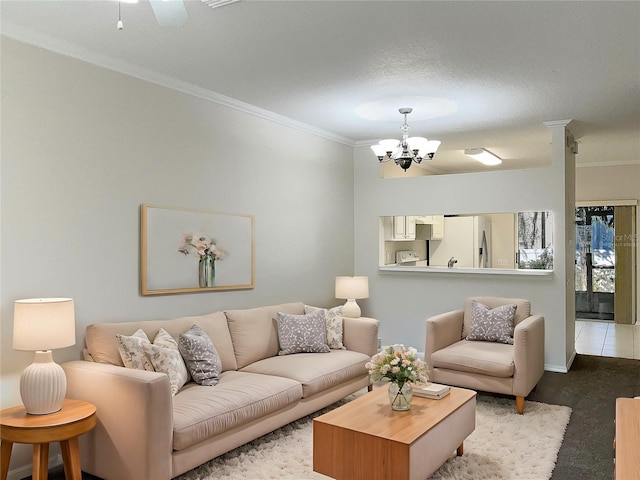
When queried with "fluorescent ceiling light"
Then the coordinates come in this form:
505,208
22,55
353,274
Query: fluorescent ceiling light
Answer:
483,156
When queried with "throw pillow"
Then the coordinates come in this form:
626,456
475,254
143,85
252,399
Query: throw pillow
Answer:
131,351
302,333
200,355
165,358
492,325
333,321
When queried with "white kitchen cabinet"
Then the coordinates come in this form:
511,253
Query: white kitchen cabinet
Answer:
404,227
437,227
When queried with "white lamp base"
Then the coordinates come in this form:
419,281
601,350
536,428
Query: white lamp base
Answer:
43,385
351,309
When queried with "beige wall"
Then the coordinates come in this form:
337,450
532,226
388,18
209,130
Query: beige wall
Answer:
602,184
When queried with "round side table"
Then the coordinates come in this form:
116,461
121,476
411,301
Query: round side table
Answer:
65,426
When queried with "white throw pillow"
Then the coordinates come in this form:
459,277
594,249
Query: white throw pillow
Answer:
166,358
333,320
131,351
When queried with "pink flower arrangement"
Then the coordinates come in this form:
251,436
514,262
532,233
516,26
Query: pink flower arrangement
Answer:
203,246
399,365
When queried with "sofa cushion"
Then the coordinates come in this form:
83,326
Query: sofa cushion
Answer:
486,358
254,333
201,412
492,324
102,346
333,321
302,333
523,309
315,372
200,355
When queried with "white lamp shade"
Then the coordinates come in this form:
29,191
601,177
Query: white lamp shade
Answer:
43,324
389,144
417,143
432,146
379,150
352,287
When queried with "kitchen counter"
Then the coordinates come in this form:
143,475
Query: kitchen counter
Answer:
421,267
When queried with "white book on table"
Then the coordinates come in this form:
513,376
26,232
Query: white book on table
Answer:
432,390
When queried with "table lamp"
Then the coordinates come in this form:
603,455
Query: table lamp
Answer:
40,325
351,288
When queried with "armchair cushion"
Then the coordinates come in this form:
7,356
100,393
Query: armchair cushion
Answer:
492,324
485,358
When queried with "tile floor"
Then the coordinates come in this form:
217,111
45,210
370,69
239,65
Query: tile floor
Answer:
607,339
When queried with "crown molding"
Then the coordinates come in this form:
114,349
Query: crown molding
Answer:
63,47
608,164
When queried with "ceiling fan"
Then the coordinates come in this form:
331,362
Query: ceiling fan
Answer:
172,13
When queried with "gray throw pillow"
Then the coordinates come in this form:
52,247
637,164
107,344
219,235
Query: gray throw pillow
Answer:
492,325
302,333
201,356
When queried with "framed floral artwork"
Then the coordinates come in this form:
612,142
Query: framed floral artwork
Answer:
184,251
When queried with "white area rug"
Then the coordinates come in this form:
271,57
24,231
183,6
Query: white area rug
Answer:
503,446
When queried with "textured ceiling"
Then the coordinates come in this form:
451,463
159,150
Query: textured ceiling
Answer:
506,67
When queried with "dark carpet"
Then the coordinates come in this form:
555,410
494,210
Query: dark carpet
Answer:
590,388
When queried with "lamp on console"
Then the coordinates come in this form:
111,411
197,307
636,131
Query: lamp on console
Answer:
352,288
40,325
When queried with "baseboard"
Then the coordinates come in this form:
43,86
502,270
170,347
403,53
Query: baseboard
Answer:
26,470
560,368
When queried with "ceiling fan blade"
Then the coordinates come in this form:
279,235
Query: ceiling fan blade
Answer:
218,3
169,13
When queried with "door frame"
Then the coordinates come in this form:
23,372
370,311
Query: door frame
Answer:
635,270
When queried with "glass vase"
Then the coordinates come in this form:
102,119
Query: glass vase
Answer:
207,271
400,397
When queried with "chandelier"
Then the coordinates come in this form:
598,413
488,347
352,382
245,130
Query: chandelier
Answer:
407,150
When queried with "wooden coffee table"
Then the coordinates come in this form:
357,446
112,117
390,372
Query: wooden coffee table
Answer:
366,440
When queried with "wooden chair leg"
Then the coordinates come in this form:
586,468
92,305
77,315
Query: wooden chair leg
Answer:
520,405
370,387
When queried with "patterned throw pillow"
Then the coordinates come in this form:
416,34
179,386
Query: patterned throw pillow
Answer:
131,351
302,333
333,321
165,358
492,325
201,356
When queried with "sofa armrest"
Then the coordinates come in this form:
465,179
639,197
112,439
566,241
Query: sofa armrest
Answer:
133,436
360,334
528,343
442,330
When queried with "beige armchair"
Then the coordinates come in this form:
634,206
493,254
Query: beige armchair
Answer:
487,366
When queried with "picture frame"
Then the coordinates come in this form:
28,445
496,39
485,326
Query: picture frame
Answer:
188,251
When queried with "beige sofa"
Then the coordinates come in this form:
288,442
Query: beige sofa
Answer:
143,433
488,366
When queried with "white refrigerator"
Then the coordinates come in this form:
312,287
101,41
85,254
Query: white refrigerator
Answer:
466,239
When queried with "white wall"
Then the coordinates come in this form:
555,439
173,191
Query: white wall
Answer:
403,301
83,147
621,182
